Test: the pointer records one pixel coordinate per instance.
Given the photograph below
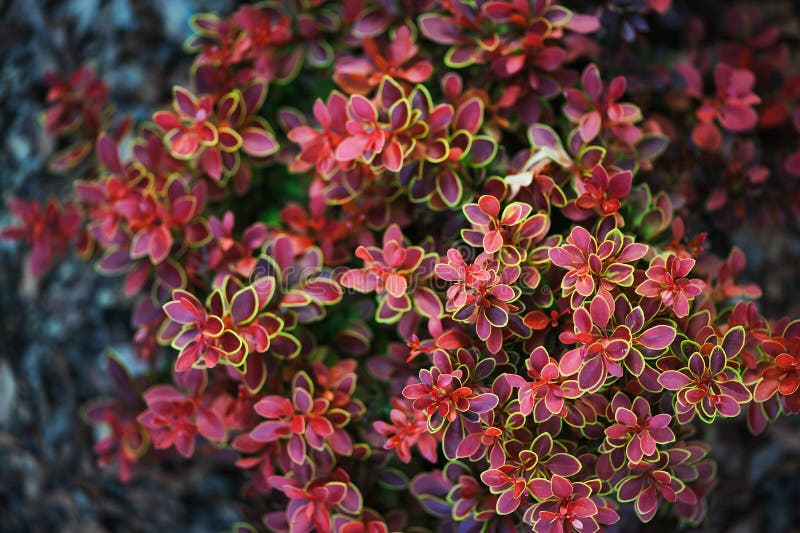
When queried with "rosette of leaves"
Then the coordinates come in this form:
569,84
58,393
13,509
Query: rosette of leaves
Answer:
776,379
483,293
303,419
604,349
232,324
304,286
518,43
213,131
596,109
313,503
397,274
595,264
47,230
447,162
707,377
401,59
176,416
125,441
511,233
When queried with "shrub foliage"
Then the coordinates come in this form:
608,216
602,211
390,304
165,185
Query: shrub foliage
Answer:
421,264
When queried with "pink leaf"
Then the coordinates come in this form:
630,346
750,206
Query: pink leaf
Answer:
673,380
258,142
657,337
590,125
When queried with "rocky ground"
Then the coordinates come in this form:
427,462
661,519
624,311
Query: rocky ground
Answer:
52,334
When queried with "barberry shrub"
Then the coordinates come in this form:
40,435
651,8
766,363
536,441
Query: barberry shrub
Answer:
420,265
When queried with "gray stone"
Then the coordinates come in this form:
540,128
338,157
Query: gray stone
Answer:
8,392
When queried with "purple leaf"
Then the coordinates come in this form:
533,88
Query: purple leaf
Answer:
269,431
483,403
506,503
564,464
244,305
733,342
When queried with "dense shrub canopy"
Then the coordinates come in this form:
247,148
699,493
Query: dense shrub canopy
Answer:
441,266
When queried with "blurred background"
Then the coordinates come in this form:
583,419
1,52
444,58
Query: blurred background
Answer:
53,332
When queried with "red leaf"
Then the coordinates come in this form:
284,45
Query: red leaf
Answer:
392,156
160,244
706,136
212,162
